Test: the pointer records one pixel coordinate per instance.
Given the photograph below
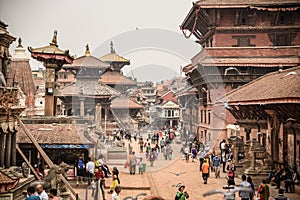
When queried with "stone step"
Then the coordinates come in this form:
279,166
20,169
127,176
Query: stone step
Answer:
113,162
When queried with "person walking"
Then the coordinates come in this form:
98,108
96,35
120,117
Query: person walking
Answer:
252,194
194,153
205,171
263,191
169,152
152,157
99,176
140,165
113,184
132,163
223,157
80,169
141,143
187,152
90,170
244,194
231,169
216,165
162,145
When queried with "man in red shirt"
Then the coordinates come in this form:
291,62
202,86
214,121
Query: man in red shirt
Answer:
205,171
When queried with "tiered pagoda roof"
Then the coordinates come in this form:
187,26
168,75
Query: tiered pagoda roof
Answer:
124,103
86,61
116,61
247,56
115,78
46,53
88,88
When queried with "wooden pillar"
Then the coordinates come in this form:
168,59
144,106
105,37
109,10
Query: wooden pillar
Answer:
8,150
248,131
285,145
13,148
295,147
81,101
105,118
2,145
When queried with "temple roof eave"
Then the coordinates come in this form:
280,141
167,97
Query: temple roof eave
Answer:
287,100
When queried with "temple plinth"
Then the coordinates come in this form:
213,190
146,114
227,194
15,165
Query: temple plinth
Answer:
53,58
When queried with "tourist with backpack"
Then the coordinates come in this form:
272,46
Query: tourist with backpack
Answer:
80,168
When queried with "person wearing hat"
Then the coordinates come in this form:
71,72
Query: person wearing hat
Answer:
281,195
181,194
113,184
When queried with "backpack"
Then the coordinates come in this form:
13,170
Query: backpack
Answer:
80,164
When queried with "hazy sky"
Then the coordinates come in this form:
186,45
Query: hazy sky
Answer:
146,32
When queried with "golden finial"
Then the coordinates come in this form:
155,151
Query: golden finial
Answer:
87,50
54,39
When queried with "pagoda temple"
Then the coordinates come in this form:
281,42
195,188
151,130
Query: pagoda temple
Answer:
241,41
113,77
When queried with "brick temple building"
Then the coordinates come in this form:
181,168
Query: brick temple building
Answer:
241,41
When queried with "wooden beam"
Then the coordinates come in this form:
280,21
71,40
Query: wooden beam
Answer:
27,162
45,157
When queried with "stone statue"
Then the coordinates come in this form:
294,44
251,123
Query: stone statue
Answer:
53,180
25,170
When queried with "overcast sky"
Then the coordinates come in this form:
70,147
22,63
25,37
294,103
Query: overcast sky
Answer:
146,32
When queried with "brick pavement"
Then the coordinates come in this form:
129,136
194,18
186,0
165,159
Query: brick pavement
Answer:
160,179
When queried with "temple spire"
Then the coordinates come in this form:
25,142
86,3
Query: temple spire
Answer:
87,50
112,50
54,39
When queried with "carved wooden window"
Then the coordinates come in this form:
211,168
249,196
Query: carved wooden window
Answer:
243,41
245,18
281,39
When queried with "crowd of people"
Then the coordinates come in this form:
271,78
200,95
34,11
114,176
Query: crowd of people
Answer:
96,171
38,193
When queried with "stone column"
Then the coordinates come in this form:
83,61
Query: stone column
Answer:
2,145
8,150
98,114
49,90
13,148
248,131
285,145
81,101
